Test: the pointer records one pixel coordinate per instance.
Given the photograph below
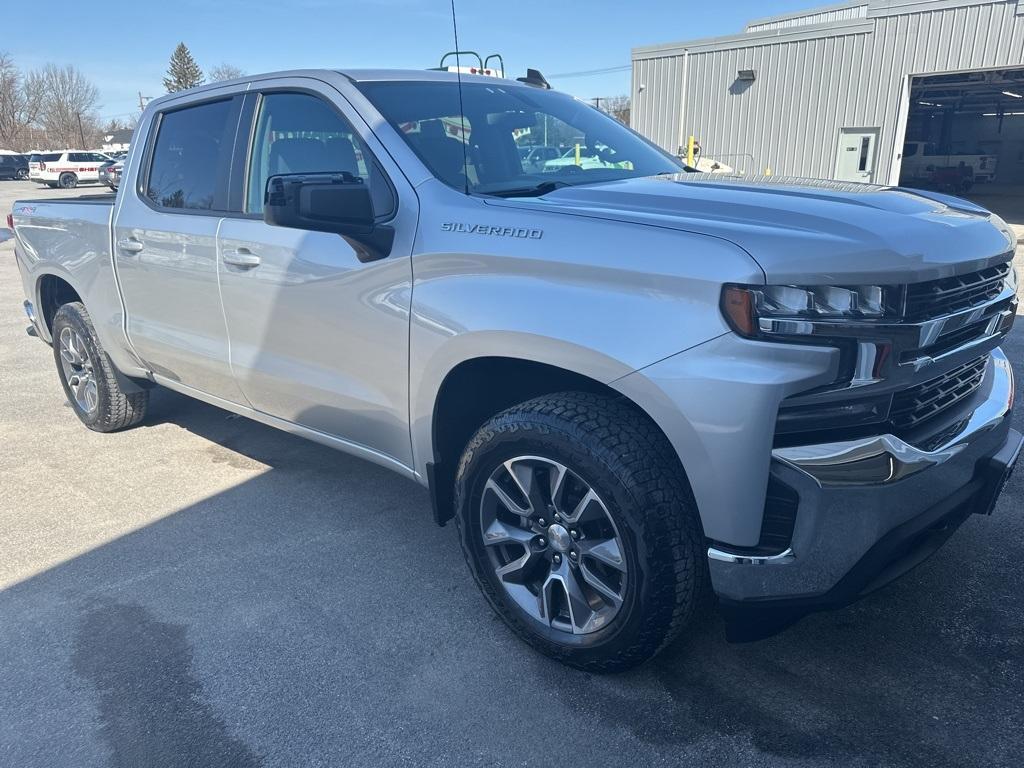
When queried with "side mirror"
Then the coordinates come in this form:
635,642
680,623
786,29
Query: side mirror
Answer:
328,202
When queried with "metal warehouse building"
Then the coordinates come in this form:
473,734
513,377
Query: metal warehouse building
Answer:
920,92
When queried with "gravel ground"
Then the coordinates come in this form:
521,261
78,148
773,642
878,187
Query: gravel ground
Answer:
204,590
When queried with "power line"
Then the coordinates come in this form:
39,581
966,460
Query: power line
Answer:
588,72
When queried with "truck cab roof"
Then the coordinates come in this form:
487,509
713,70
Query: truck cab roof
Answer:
353,75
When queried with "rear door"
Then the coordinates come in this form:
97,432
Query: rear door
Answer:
165,245
89,167
318,336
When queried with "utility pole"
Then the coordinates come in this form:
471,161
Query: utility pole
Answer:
142,101
597,101
81,133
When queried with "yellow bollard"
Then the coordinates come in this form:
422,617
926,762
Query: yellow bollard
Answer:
768,171
691,151
577,154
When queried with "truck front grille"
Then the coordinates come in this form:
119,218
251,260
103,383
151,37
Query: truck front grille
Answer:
935,298
912,407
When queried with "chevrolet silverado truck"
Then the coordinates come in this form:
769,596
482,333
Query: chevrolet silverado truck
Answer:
632,386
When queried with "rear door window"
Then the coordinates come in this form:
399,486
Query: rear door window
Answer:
190,157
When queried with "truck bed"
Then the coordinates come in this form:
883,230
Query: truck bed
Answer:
69,240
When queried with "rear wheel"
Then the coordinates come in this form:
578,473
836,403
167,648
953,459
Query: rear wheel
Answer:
67,181
22,174
580,529
88,377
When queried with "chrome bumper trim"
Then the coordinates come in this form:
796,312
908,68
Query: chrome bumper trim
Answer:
884,459
721,555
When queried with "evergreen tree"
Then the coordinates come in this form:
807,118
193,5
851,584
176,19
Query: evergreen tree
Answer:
183,72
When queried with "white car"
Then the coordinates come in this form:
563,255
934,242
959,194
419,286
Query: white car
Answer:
67,169
584,158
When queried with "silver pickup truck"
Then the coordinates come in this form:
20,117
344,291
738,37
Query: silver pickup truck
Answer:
632,386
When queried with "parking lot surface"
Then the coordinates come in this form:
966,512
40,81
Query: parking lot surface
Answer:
204,590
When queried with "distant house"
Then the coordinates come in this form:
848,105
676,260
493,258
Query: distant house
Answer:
118,141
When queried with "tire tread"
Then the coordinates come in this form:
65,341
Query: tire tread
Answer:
119,410
633,447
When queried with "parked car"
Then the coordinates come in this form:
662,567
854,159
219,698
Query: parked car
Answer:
630,386
67,169
110,173
582,157
13,167
8,167
533,158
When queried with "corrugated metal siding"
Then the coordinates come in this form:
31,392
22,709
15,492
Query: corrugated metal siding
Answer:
807,89
661,102
824,17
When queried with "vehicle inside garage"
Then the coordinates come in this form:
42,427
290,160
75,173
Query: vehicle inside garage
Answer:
965,135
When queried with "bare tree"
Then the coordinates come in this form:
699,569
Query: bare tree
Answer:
618,107
224,72
115,124
68,110
20,104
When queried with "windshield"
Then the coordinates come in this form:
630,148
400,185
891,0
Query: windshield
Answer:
482,148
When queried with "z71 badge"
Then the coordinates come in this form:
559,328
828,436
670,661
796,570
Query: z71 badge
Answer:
484,229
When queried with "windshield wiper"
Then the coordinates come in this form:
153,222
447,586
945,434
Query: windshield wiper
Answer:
535,191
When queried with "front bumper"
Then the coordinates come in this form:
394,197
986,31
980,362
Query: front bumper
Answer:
869,510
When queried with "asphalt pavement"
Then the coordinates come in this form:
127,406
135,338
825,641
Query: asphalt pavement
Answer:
206,591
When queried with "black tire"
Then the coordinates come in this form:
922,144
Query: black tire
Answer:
630,464
67,181
114,408
22,174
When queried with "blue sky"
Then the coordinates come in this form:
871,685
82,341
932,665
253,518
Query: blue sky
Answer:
123,45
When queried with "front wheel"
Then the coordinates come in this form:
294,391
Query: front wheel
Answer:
88,377
580,529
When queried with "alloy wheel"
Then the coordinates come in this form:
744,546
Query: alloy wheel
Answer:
553,544
78,370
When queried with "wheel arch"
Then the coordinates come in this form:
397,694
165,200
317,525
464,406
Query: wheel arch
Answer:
477,388
53,291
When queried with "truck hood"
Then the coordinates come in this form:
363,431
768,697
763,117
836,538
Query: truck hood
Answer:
801,230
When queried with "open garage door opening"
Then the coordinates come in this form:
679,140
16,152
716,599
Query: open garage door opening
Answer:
965,136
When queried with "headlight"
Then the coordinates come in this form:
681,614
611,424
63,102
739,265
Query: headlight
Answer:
743,305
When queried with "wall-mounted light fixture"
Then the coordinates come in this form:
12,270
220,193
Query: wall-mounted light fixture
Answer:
747,75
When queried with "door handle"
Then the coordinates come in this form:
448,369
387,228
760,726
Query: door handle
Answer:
241,257
129,245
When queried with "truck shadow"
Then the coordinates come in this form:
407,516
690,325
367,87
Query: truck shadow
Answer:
314,614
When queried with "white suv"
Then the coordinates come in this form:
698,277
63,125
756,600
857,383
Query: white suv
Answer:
66,169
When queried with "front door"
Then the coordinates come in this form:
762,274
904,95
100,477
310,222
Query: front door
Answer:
856,158
318,336
165,245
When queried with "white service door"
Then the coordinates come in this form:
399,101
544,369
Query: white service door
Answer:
856,159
